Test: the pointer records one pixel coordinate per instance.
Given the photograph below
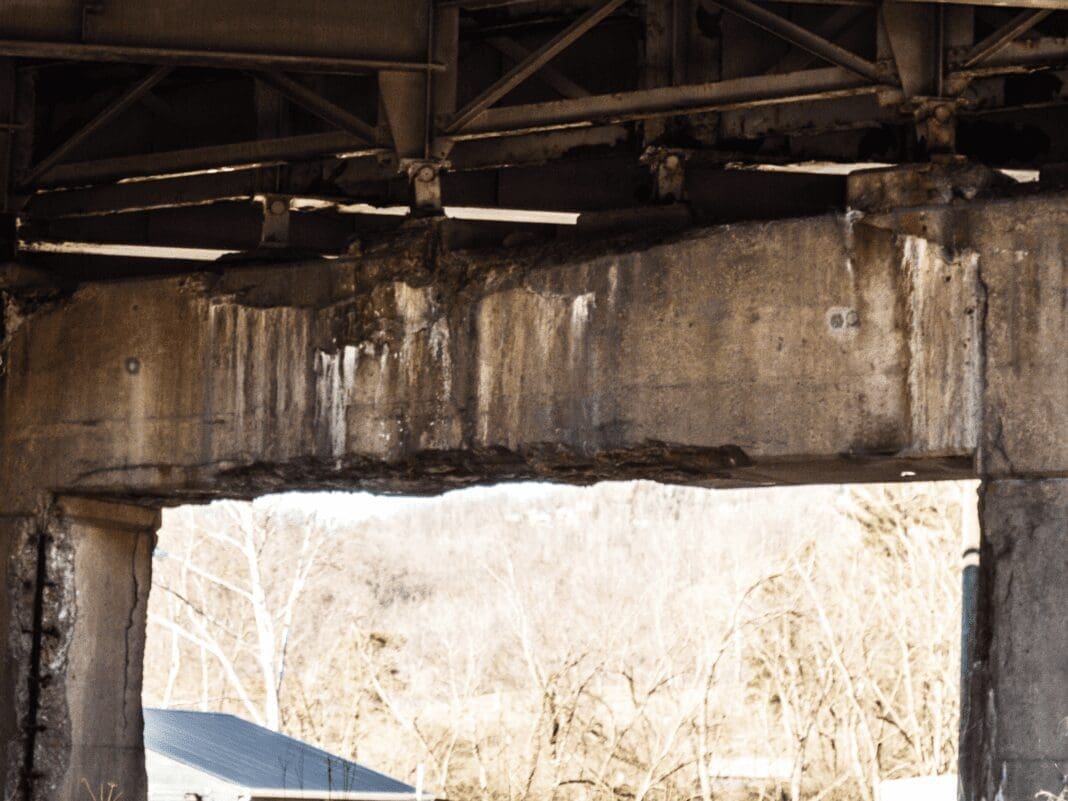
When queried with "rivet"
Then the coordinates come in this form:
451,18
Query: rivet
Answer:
836,320
133,365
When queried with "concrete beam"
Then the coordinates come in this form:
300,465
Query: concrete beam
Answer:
806,350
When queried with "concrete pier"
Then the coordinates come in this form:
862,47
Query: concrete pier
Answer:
1016,739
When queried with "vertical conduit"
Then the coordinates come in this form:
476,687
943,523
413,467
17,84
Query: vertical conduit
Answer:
969,528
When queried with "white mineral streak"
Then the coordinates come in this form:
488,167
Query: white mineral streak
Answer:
524,338
580,313
335,375
414,306
944,360
439,350
851,218
580,318
389,372
271,387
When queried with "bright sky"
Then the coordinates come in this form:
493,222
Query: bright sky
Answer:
349,506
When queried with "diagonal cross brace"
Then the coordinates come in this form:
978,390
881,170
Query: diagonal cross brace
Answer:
552,77
803,38
530,65
1004,36
110,112
312,101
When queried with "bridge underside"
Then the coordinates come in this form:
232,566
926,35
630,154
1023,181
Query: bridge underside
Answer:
416,246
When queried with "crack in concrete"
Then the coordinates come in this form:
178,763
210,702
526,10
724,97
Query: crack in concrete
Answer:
26,780
982,311
131,621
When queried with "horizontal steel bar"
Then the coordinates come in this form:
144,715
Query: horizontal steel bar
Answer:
188,190
262,152
806,85
74,51
204,188
1016,56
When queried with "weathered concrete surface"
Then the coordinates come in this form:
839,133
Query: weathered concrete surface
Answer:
97,570
1025,275
16,649
817,349
919,343
1016,744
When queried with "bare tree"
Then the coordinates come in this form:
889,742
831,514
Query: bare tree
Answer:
233,599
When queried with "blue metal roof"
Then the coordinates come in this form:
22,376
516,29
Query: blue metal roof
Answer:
251,756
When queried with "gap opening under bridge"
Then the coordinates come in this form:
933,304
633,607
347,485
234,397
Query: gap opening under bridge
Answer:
629,641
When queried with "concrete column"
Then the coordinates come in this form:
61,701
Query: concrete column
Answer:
95,562
18,572
1015,740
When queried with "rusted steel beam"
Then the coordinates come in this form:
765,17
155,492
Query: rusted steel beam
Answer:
807,85
178,57
113,110
531,64
128,196
262,152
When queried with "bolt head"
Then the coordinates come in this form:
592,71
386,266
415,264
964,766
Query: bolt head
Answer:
279,207
943,114
672,162
425,174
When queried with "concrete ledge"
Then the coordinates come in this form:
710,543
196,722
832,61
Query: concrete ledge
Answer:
109,515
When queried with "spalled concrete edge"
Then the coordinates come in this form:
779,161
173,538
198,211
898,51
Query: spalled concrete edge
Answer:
19,615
